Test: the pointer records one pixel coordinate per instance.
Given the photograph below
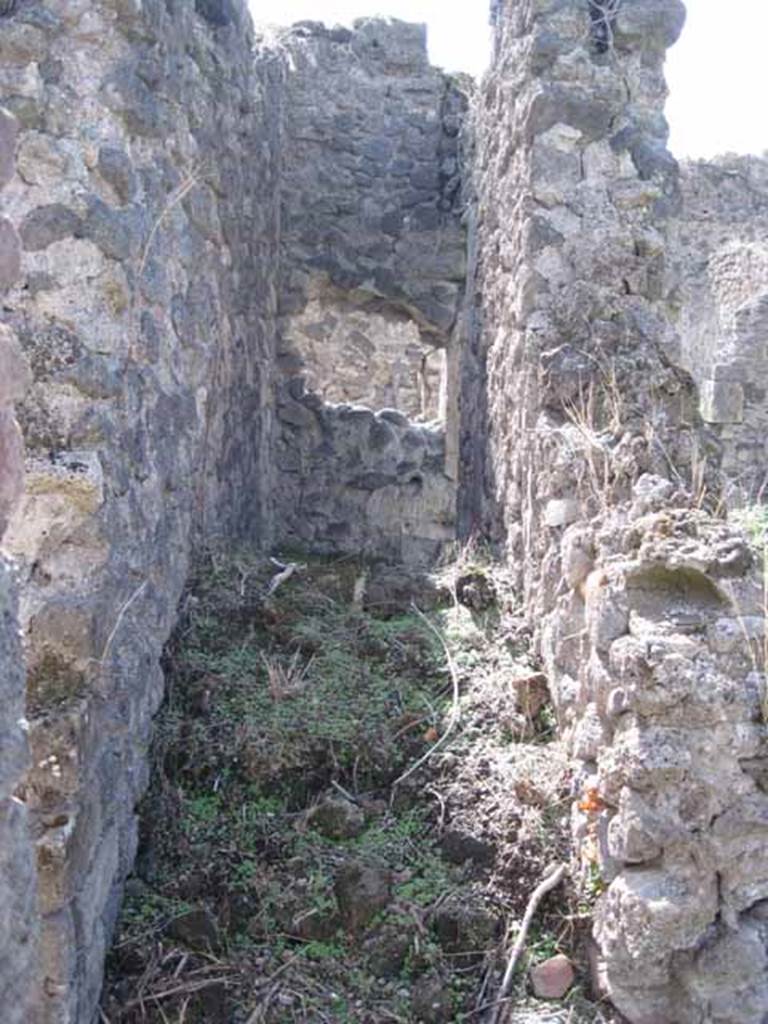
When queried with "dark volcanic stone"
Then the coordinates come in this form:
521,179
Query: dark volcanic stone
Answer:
216,12
48,224
458,848
432,1001
362,890
116,169
196,929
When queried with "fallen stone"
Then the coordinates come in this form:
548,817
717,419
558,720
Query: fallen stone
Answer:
475,590
196,929
361,890
387,950
432,1001
531,694
458,848
336,818
552,978
465,926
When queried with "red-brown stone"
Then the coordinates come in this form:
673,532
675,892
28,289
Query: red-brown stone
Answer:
552,978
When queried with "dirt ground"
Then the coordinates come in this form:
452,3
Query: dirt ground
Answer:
356,787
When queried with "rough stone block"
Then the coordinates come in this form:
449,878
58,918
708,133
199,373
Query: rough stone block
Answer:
722,401
48,224
15,377
562,511
737,370
11,467
9,130
10,255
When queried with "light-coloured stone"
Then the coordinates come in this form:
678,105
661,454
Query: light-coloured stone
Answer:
722,401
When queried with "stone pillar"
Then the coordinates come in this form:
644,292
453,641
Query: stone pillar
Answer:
18,909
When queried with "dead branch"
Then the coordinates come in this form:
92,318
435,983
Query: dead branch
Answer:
178,990
538,894
118,621
285,574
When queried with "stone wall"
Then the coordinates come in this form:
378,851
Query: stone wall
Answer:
194,206
18,909
722,246
372,244
352,354
371,181
648,611
146,200
370,484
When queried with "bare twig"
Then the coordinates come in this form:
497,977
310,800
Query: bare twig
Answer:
541,890
455,708
180,193
258,1013
178,990
439,797
285,574
118,621
344,792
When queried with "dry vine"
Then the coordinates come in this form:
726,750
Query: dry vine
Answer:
603,14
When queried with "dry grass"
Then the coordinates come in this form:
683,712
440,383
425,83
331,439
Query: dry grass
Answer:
286,679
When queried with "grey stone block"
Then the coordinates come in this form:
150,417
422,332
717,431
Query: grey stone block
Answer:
722,401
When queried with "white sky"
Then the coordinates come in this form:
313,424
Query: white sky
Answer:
459,34
717,73
718,79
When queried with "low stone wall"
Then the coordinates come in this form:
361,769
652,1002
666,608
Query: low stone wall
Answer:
369,484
